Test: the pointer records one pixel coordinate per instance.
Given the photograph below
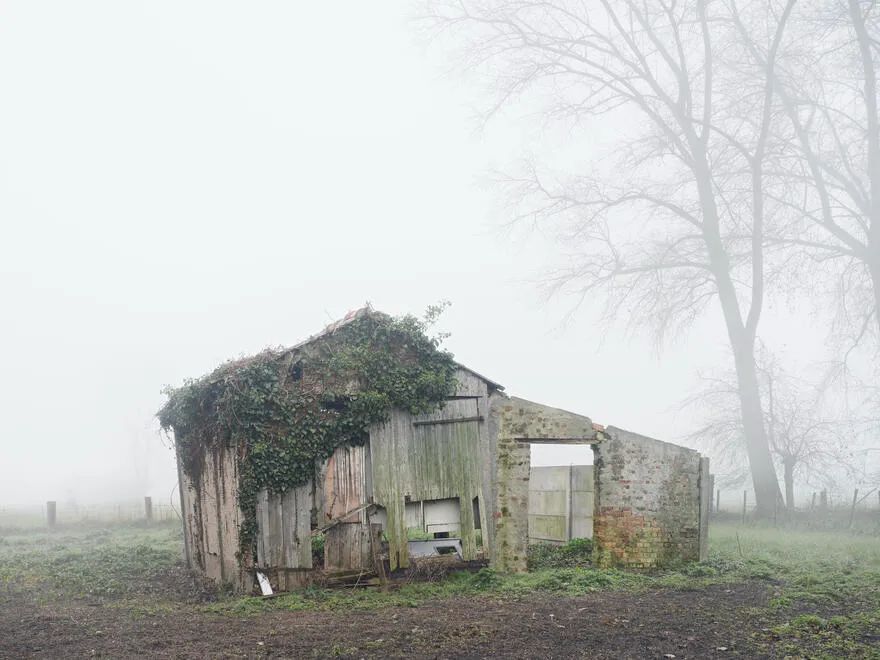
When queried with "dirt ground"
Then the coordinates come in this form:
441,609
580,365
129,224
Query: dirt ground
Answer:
702,623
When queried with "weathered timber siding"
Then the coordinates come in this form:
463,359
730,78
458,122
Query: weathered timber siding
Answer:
345,484
347,546
647,502
284,539
560,503
211,518
431,457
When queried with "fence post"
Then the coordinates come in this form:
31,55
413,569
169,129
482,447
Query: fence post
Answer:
718,501
51,511
823,499
148,508
745,494
813,501
711,490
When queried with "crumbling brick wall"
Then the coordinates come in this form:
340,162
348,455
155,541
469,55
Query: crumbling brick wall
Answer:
648,504
512,424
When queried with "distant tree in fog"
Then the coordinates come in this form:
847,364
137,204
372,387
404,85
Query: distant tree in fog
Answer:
811,443
681,219
827,87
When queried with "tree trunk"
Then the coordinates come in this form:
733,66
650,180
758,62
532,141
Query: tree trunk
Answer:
788,476
874,268
742,342
764,478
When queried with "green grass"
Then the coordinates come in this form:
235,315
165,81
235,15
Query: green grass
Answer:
112,562
824,587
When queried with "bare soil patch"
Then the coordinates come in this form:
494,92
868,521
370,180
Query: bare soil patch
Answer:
702,623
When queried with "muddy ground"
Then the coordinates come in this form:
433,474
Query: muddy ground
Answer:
703,623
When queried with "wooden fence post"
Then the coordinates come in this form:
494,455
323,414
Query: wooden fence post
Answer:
745,494
813,501
51,512
718,501
148,508
823,500
711,490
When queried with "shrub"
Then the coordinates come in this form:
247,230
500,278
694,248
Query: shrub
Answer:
576,553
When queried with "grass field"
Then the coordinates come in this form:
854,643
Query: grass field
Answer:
798,594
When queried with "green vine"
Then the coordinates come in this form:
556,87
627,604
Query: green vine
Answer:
285,409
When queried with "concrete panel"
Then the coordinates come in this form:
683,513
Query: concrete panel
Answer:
548,528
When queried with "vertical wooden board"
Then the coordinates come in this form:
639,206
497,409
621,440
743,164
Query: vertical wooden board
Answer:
468,532
469,384
304,503
185,490
347,547
345,483
197,547
262,515
289,542
274,528
228,514
210,517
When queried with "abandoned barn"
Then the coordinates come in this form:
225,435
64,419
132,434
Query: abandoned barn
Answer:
370,437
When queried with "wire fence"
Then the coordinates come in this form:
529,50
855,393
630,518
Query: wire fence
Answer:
60,513
859,510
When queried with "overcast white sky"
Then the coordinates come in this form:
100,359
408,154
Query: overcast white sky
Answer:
185,182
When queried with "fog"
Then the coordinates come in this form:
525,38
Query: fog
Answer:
183,183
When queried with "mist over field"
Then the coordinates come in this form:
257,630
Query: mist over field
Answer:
440,328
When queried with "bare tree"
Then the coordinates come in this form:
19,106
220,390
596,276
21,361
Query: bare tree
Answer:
679,220
810,443
828,90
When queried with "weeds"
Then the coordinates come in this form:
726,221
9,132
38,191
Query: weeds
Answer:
575,553
824,589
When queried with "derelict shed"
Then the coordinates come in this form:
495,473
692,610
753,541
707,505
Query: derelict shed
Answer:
365,428
371,437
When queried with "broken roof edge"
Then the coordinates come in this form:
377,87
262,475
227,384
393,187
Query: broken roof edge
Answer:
330,329
369,310
488,381
616,430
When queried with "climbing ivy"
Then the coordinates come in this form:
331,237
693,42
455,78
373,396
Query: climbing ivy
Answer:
285,409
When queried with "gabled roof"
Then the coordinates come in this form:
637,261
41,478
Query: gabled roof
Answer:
367,310
353,315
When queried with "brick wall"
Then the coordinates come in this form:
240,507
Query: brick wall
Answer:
512,423
647,502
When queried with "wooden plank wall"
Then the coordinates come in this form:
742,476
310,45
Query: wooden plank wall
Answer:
345,484
211,518
414,459
284,524
347,546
